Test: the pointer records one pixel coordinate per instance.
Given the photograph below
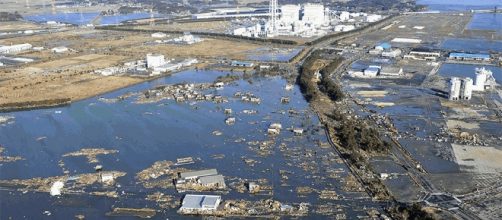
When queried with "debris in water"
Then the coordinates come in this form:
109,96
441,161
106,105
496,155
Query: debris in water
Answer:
90,153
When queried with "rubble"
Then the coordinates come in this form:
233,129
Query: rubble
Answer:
230,121
90,153
110,194
181,93
8,158
217,133
56,188
141,213
329,195
162,200
60,184
154,172
304,190
6,120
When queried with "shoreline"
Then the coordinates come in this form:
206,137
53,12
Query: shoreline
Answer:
60,102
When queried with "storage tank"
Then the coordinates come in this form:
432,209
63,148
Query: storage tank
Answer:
313,14
290,13
466,89
454,88
482,75
154,60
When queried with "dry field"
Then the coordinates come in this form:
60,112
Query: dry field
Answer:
69,75
207,49
205,26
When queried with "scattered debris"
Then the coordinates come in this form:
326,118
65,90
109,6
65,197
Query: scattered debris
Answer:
141,213
56,188
8,158
90,153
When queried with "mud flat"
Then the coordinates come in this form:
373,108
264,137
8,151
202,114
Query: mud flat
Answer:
478,159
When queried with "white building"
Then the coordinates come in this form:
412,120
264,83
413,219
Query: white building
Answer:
391,71
159,35
482,75
1,64
406,40
466,89
372,71
59,49
344,28
15,48
344,16
290,13
154,60
313,14
199,203
393,53
455,84
373,18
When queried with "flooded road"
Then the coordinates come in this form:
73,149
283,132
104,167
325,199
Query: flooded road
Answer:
167,130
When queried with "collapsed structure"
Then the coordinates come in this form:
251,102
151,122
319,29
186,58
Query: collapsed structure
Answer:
201,180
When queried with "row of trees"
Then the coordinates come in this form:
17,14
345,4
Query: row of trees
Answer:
327,85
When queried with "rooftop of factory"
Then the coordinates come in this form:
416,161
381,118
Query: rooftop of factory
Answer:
470,55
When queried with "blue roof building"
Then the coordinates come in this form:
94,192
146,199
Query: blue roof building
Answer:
385,46
469,56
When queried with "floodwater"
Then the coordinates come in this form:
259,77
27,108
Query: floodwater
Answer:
468,70
486,21
86,18
459,5
145,133
472,45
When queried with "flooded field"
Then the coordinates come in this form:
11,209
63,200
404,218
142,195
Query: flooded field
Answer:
129,137
455,5
85,18
472,45
486,21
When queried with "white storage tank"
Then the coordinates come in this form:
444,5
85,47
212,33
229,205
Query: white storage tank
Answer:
466,89
455,84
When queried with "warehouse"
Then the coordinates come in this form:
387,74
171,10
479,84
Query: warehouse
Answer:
15,48
470,56
199,203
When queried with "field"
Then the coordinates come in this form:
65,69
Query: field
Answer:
70,75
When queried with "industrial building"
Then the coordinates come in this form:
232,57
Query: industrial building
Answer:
15,48
372,71
199,203
423,54
460,89
484,78
155,60
470,57
391,71
454,93
60,49
406,40
202,179
159,35
392,53
233,13
242,64
197,174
